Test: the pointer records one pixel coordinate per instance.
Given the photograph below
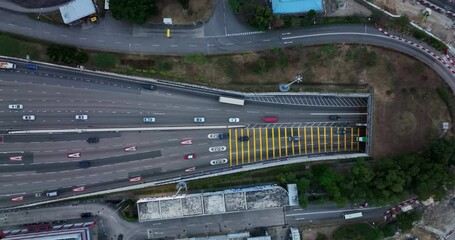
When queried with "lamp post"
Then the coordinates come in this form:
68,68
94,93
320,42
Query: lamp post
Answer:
285,87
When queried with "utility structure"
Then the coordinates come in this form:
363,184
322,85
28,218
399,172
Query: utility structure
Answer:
425,13
284,87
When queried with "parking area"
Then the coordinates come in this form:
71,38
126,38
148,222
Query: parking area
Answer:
260,144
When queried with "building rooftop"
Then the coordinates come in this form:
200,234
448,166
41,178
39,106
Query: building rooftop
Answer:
295,6
76,10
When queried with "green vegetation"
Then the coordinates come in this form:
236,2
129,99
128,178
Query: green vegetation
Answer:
11,47
135,11
359,231
444,94
66,55
321,236
197,58
405,221
104,60
257,15
128,210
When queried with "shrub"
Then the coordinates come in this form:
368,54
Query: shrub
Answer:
104,60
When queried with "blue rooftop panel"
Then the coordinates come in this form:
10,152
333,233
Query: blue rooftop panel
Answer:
295,6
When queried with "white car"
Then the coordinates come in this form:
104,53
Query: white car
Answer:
149,119
15,106
234,120
28,117
218,161
217,149
81,117
199,119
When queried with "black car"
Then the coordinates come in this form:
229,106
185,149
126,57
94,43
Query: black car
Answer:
120,237
149,86
86,215
84,164
244,138
93,140
334,117
223,135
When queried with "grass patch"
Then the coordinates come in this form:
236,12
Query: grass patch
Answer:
11,47
104,60
446,97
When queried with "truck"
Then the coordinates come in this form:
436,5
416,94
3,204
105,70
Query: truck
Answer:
7,65
361,139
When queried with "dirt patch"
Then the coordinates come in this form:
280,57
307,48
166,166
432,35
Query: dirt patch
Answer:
438,24
198,11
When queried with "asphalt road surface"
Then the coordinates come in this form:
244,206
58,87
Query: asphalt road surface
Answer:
110,224
31,165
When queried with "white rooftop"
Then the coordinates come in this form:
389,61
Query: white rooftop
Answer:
76,10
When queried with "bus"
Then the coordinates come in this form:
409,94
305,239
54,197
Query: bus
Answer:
352,215
233,101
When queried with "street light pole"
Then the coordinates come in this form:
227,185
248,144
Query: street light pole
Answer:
285,87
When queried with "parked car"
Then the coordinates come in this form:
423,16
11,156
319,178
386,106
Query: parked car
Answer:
244,138
189,156
15,106
149,119
28,117
199,119
341,132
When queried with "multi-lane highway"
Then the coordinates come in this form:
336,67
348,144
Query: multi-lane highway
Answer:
34,164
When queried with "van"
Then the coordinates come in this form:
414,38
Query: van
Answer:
52,194
270,119
86,215
84,164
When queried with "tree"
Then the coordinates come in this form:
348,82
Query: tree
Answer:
136,11
66,55
263,18
359,231
405,221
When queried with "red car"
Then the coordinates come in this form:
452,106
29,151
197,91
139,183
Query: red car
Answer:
270,119
189,156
